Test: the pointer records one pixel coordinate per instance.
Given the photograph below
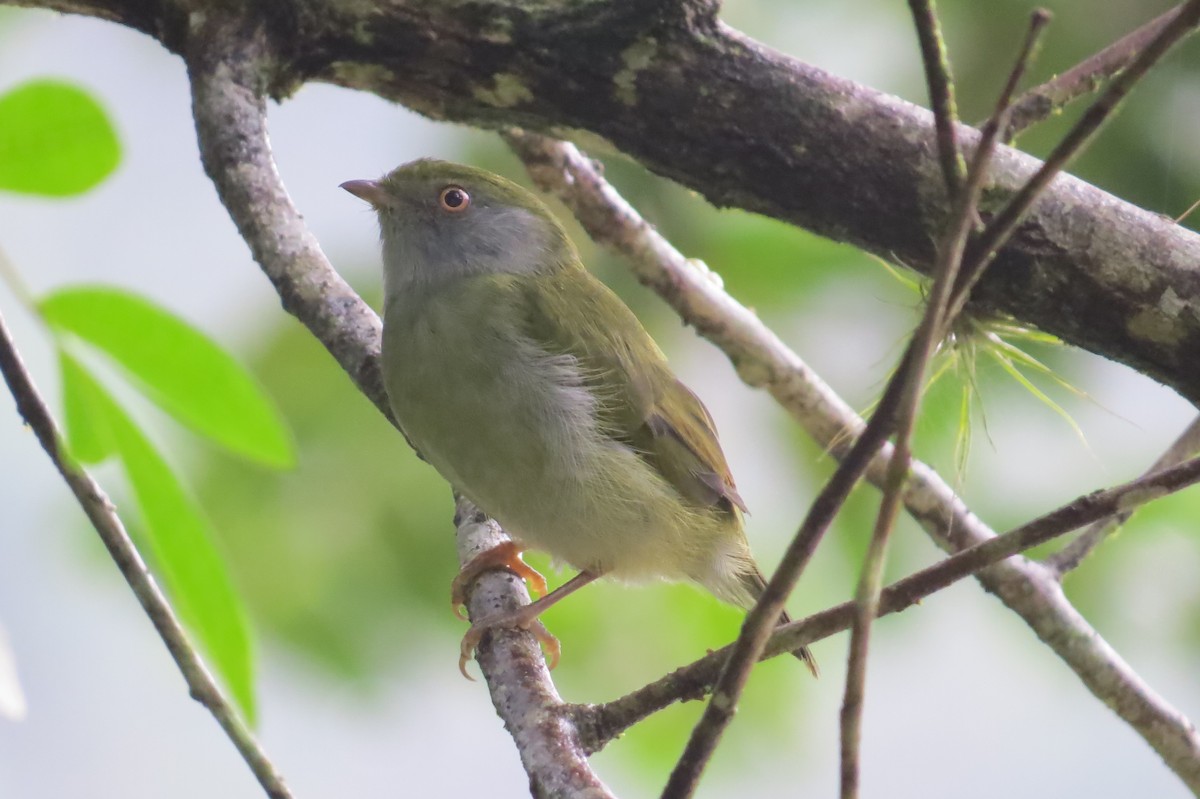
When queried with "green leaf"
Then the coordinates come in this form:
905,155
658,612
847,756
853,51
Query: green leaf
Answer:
55,140
178,367
89,434
179,541
1007,365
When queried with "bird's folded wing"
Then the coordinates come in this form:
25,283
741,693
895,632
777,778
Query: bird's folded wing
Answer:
640,402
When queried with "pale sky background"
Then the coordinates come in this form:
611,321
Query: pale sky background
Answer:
961,701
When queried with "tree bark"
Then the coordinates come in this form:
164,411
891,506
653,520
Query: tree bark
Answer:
672,86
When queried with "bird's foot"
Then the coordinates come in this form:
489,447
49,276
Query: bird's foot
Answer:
506,556
525,618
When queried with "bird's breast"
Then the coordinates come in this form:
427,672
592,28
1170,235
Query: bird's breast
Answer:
492,411
515,428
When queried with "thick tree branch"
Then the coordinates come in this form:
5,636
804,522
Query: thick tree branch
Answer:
103,516
226,65
745,126
763,360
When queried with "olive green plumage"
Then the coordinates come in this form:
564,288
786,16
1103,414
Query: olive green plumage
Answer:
537,393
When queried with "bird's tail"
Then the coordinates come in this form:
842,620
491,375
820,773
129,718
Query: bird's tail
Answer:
756,584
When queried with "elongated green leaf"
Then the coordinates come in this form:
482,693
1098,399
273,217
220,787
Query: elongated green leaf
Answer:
89,434
55,140
178,367
1028,385
179,541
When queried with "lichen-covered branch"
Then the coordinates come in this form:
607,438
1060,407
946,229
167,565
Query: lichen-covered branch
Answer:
669,84
227,64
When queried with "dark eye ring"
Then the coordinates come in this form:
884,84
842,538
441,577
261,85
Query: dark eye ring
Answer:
454,199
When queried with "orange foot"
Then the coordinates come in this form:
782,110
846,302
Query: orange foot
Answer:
525,618
507,556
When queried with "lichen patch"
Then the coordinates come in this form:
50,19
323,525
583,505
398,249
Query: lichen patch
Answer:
507,90
635,57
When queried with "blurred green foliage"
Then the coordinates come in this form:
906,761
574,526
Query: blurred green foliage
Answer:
350,555
55,139
193,380
184,372
174,531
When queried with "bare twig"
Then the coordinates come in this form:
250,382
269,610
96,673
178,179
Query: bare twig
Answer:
103,516
226,68
1005,222
1000,122
762,360
941,92
1188,212
931,330
1084,78
604,722
761,619
1070,556
901,392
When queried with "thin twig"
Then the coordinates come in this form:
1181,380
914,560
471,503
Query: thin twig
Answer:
899,393
763,360
1001,116
1005,222
103,516
910,380
930,331
1084,78
941,92
756,629
605,722
1073,554
1188,212
229,105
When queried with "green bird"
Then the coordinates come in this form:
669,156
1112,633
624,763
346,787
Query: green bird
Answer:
537,393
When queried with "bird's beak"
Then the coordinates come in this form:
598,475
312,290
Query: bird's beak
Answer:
368,190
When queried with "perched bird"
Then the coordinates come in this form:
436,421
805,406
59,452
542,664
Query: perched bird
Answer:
537,393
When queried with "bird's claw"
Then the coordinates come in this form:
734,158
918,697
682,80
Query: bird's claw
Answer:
506,556
515,619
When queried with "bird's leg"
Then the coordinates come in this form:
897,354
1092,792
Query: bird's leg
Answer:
526,618
507,556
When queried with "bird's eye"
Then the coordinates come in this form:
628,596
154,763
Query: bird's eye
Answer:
454,199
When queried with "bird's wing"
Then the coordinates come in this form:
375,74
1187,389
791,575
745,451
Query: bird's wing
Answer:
640,401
